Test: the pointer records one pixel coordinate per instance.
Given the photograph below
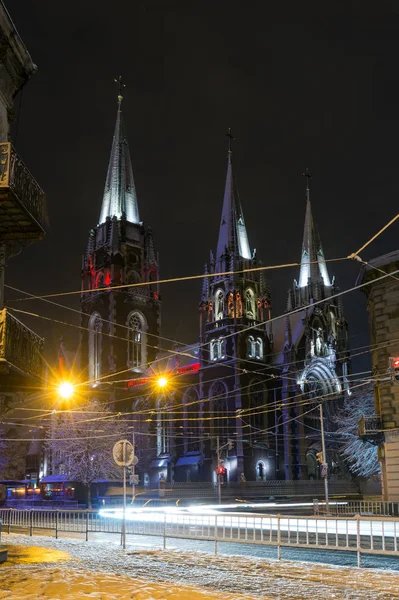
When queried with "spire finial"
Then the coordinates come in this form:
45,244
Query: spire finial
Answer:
308,178
231,138
121,85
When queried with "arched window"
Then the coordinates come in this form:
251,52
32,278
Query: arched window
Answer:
219,305
251,346
217,349
213,349
259,348
221,348
249,304
95,328
261,471
137,340
164,426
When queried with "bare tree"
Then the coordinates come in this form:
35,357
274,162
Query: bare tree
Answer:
81,442
12,455
361,455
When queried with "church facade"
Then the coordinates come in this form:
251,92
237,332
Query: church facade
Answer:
234,399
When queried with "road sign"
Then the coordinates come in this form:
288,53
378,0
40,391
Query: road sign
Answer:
135,460
134,479
323,471
123,453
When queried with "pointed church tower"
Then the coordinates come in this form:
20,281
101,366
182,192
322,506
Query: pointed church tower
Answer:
326,325
235,343
122,324
319,346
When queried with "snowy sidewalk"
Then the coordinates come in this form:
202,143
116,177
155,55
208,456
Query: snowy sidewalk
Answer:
103,571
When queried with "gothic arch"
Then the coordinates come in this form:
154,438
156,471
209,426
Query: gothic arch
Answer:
95,343
137,340
319,379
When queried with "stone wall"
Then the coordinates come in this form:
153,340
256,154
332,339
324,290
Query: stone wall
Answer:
383,309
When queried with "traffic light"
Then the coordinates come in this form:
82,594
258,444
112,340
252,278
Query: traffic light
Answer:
320,457
221,470
394,369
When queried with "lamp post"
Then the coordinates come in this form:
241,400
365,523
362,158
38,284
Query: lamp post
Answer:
66,390
324,464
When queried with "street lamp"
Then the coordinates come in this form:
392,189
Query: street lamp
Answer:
162,381
66,390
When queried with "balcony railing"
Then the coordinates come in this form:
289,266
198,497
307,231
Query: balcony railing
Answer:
22,201
370,428
20,348
239,321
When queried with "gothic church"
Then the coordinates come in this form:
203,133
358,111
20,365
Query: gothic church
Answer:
238,402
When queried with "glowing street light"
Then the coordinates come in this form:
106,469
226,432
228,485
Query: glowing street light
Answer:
162,382
66,390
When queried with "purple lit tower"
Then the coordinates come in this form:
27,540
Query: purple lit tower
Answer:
235,344
315,358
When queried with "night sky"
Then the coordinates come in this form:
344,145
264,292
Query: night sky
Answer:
301,84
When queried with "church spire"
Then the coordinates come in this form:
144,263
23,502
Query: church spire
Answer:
313,264
232,232
119,193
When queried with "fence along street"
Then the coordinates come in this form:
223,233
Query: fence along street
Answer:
360,534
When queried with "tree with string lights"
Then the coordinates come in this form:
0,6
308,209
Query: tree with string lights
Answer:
80,443
360,455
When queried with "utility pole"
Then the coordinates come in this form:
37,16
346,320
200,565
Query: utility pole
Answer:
217,472
2,273
133,470
324,464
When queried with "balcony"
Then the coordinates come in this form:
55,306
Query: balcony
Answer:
20,350
370,429
240,322
22,201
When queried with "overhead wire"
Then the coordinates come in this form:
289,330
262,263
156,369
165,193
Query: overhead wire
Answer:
175,279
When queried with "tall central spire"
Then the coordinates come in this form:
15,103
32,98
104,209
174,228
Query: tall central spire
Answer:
232,231
313,264
119,193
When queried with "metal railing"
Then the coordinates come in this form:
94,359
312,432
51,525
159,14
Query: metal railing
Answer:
243,321
20,347
259,489
361,507
17,177
363,535
369,425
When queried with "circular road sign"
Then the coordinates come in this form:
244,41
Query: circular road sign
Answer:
123,453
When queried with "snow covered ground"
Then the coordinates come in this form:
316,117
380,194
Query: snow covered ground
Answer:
50,569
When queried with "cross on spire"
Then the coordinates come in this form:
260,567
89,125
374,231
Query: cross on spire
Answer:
231,138
308,178
121,85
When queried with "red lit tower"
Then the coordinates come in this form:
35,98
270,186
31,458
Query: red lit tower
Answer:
121,325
